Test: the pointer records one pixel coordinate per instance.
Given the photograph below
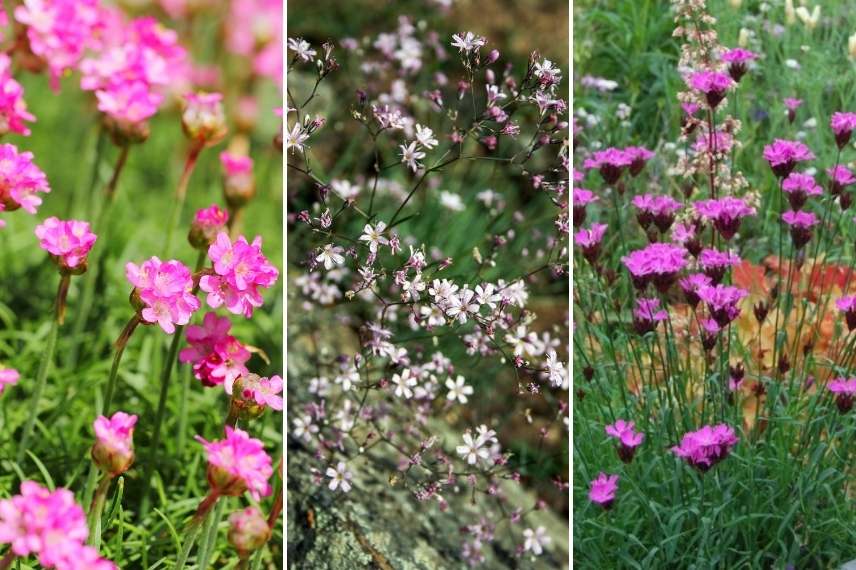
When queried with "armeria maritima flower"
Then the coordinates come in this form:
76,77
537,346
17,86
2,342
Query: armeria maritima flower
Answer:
628,438
237,464
164,289
707,446
217,357
724,213
263,391
239,186
69,241
602,490
206,224
13,108
658,263
113,451
248,531
203,119
240,270
845,393
783,156
20,180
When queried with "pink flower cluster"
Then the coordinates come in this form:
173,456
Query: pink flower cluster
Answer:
800,224
589,240
841,178
714,263
691,284
658,263
581,198
20,180
262,391
842,125
49,525
113,450
165,289
724,213
255,32
206,224
610,162
707,446
238,464
68,241
647,314
602,490
13,108
737,59
798,187
847,305
217,357
240,269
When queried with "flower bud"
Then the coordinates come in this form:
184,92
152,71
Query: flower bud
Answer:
238,183
113,451
207,223
203,119
248,531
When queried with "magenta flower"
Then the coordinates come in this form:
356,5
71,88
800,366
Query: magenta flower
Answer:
13,108
647,314
847,305
113,451
240,269
724,213
792,104
589,240
165,290
602,490
690,286
20,180
799,187
659,263
714,263
842,125
783,156
47,524
737,60
581,198
841,178
690,109
628,438
845,393
128,103
800,224
707,446
713,84
710,330
659,210
68,241
723,302
238,464
206,224
217,357
262,391
8,377
83,557
686,234
610,163
638,156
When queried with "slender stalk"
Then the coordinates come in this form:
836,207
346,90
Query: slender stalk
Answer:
211,527
7,560
96,509
181,194
119,345
194,528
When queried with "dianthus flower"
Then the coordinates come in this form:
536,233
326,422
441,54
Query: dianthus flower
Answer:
240,269
845,393
589,241
68,241
737,59
237,464
602,490
783,156
638,156
725,213
206,224
647,314
581,198
659,210
847,305
712,83
841,178
723,302
20,180
217,357
842,124
798,187
47,524
792,105
714,263
628,438
690,286
8,377
164,289
707,446
610,163
659,263
800,224
113,451
13,108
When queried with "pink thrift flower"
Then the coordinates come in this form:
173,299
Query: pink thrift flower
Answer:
237,464
602,490
20,180
165,290
248,531
262,391
203,119
798,187
238,183
83,557
8,377
845,393
610,162
842,125
217,357
206,224
659,263
712,83
589,240
13,108
723,302
707,446
68,241
240,270
628,438
113,451
128,103
714,263
783,156
724,213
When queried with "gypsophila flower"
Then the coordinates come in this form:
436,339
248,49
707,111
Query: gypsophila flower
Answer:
302,49
425,137
331,256
410,155
473,449
458,389
340,477
374,236
403,384
535,540
467,42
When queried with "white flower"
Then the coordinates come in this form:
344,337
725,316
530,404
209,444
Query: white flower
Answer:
295,138
472,449
452,201
373,236
411,156
404,382
546,72
410,290
425,136
345,189
331,255
302,48
536,540
463,305
467,42
485,295
555,369
458,390
303,428
348,379
340,477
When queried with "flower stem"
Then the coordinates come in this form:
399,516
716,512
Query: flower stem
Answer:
211,526
120,345
7,560
181,194
96,509
192,533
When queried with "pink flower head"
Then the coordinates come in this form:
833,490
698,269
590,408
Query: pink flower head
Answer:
707,446
240,270
265,392
712,83
164,289
659,210
602,490
710,330
714,263
841,178
737,60
203,119
238,464
690,109
638,156
647,314
783,156
248,531
113,450
68,241
13,108
238,183
842,124
628,438
581,198
20,180
799,187
845,393
206,224
47,524
659,263
690,286
589,241
792,104
723,302
83,557
128,103
800,224
235,164
725,213
217,357
610,162
8,377
847,305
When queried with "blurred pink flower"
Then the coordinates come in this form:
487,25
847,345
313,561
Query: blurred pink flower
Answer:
263,391
20,180
13,108
8,377
237,464
113,450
